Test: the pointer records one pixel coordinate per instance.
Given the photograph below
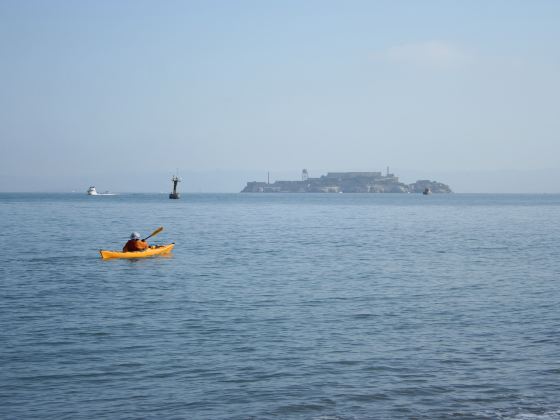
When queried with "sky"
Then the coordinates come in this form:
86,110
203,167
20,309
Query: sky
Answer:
122,94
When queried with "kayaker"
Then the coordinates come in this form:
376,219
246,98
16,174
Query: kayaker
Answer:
135,243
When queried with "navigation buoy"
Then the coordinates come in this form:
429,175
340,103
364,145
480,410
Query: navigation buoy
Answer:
175,194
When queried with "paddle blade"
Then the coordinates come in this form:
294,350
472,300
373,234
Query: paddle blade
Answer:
155,232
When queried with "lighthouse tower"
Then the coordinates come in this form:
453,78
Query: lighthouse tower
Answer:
175,194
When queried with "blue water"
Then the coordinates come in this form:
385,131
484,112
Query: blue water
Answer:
281,306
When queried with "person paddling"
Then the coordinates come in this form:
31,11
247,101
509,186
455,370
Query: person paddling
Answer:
135,243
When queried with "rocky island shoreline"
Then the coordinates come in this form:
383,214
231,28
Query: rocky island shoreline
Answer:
347,182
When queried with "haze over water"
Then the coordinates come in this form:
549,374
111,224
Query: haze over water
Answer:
281,306
120,94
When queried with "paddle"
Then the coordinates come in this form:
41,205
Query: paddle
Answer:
154,233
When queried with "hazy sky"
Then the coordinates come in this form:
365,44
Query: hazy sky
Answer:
120,93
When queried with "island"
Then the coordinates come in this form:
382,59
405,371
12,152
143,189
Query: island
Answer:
348,182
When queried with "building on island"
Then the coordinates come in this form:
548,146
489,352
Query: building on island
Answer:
346,182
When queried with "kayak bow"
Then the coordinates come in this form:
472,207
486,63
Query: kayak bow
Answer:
150,252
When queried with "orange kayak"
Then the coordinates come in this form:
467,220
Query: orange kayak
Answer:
150,252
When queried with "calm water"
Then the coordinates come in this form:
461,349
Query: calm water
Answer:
282,306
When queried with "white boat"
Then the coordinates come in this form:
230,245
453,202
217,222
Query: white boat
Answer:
93,191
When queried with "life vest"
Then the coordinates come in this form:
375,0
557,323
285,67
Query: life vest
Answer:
135,245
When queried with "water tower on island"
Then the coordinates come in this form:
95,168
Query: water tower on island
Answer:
304,175
175,195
